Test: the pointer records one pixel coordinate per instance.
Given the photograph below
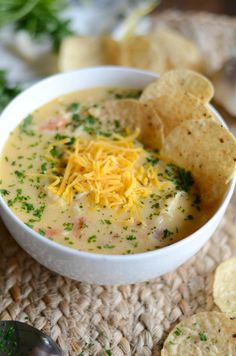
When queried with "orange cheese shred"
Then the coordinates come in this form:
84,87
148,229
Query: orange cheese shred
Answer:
109,170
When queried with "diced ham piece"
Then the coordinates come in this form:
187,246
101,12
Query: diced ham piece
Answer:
52,232
54,124
78,226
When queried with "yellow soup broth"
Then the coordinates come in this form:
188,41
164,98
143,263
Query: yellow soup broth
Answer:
71,180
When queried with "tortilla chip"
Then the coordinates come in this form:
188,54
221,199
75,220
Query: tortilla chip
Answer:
142,52
111,50
179,51
208,150
80,52
152,128
126,111
177,107
132,115
224,288
180,81
202,334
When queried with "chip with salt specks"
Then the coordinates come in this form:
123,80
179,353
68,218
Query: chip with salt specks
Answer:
208,150
174,108
224,288
180,81
202,334
133,115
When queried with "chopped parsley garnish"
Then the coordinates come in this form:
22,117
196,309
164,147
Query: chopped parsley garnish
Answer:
178,331
167,233
4,192
20,175
108,246
28,207
55,152
92,238
90,120
156,205
38,212
153,161
44,168
197,201
117,124
131,238
59,137
68,226
182,179
41,232
76,119
106,221
73,107
106,134
202,336
135,94
25,127
89,130
189,217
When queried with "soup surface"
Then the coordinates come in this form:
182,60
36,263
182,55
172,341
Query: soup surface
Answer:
92,185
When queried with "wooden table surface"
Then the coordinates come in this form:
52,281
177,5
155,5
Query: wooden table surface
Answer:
227,7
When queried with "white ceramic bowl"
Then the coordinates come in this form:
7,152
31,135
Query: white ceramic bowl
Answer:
84,266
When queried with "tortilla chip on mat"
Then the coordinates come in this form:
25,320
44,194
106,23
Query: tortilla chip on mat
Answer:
202,334
224,288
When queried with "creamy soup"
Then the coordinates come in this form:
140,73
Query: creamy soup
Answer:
94,186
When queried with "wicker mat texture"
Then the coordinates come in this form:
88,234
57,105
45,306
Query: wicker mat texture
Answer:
96,320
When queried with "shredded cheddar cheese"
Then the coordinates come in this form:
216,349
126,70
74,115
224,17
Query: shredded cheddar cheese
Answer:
110,171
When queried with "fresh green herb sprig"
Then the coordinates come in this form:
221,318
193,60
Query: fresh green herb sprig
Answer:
7,91
40,18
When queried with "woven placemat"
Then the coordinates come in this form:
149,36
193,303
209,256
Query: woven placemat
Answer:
96,320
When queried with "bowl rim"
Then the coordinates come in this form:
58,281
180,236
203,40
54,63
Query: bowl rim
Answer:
111,257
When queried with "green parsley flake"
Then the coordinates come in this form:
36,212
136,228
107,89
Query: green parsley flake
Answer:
92,238
107,246
41,232
167,233
73,107
189,217
105,221
19,174
178,332
153,161
25,127
131,238
4,192
55,152
182,179
68,226
44,168
202,336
